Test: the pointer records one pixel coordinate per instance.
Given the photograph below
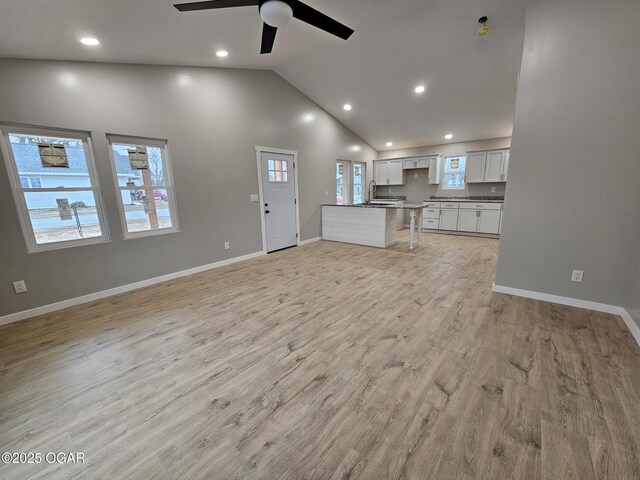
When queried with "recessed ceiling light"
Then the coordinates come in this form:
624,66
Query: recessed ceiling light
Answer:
419,89
222,53
449,136
389,144
91,41
347,107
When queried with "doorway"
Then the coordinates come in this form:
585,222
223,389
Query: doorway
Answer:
278,199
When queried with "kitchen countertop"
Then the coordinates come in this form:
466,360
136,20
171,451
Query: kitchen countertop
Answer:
406,206
466,199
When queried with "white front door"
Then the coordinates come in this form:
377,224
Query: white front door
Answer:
278,186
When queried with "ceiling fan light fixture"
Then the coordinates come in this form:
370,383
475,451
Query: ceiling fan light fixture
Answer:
276,13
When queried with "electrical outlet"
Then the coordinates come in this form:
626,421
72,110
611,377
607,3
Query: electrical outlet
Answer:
326,194
20,286
226,245
493,189
576,276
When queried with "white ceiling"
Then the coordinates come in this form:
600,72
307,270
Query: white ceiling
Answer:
398,44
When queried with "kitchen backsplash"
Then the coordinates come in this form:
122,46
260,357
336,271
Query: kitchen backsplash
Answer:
418,189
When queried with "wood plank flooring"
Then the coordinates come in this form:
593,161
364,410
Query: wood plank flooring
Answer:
328,361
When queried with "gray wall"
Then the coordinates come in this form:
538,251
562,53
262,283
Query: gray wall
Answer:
632,302
573,197
417,189
212,118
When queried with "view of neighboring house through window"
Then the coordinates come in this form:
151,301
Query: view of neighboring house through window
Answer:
359,181
144,181
56,188
454,172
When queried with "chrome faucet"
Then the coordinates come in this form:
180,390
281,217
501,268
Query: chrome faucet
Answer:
371,192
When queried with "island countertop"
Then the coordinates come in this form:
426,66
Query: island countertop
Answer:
406,206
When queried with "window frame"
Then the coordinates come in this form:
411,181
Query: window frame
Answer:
445,172
169,186
363,165
18,191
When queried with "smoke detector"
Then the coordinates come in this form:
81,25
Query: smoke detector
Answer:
484,30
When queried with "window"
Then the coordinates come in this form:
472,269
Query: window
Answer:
342,182
454,173
68,210
145,186
359,181
277,171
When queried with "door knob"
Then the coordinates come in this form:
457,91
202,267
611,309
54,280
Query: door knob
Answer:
266,211
266,204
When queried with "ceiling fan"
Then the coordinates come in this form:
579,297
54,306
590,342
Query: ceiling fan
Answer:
274,14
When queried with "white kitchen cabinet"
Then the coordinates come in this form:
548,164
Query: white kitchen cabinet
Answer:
417,162
396,173
489,221
448,219
381,172
494,166
434,169
488,167
430,223
476,162
388,172
505,167
468,220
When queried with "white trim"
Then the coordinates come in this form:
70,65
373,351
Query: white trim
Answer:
310,240
574,302
631,324
15,317
169,186
294,153
18,192
571,302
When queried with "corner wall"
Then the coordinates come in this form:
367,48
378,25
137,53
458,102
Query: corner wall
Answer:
212,118
574,196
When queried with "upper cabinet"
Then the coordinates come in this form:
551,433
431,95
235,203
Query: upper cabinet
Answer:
435,164
388,172
476,162
488,167
417,162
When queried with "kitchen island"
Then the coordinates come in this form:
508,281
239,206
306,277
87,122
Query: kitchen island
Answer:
373,225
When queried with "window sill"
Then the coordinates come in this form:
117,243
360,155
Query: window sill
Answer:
45,247
150,233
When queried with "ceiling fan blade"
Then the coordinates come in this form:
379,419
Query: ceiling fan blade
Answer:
268,37
318,19
209,4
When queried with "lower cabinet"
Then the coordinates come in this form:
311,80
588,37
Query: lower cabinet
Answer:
463,217
448,219
489,221
468,221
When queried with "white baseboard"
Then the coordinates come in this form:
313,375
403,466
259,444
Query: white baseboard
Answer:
574,302
310,240
631,324
15,317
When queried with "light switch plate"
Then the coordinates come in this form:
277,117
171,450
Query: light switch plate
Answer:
255,197
20,286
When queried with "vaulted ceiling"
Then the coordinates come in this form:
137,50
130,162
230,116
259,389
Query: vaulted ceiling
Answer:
470,81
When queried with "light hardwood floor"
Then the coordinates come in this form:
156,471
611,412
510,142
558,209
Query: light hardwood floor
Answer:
329,361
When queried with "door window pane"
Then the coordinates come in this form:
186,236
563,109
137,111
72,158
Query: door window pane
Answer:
277,170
